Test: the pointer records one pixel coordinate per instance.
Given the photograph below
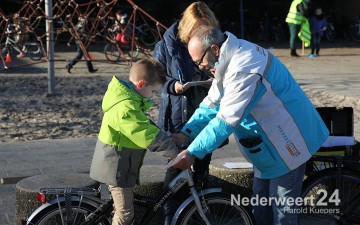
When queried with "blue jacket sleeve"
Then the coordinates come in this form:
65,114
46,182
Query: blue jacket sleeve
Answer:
210,138
201,117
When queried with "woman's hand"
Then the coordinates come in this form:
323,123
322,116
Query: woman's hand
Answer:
180,88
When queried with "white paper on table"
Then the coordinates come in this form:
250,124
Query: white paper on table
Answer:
238,165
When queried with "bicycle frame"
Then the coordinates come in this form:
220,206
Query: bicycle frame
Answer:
11,43
174,186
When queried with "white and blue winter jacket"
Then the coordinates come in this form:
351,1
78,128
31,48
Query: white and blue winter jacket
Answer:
255,97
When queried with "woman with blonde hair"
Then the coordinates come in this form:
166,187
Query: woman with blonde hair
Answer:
178,101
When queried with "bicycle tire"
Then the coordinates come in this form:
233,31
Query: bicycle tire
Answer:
34,51
330,33
326,180
149,37
135,51
111,52
354,32
330,36
51,215
4,50
222,211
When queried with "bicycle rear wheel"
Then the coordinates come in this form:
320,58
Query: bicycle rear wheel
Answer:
220,211
112,52
4,50
149,36
55,215
331,194
354,32
33,50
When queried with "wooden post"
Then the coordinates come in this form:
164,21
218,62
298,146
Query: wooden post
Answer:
303,48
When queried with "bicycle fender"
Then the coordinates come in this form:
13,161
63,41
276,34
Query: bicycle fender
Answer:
190,199
53,202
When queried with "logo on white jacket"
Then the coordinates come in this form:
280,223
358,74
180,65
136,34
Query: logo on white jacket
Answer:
289,144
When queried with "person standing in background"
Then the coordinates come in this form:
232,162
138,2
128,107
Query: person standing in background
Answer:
318,25
298,12
21,36
83,34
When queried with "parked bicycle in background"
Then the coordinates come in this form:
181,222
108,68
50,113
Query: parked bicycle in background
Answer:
23,48
331,192
353,30
115,50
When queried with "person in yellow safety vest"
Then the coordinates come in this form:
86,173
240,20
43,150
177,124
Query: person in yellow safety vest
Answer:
298,13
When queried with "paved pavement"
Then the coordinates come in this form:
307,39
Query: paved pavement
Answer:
336,72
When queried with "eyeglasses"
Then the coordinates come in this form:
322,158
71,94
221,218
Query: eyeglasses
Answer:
202,57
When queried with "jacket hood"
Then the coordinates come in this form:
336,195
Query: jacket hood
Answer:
227,50
119,90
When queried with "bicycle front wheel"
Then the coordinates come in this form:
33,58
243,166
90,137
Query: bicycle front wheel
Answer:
135,52
33,50
58,215
112,52
327,194
220,211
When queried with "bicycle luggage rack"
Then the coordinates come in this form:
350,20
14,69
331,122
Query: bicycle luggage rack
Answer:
71,191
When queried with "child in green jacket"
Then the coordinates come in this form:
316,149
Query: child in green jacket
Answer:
126,133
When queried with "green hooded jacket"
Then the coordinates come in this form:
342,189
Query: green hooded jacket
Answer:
125,134
125,123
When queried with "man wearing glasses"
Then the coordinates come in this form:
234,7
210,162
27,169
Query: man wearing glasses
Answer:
255,98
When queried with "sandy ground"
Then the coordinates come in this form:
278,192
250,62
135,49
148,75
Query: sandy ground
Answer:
28,112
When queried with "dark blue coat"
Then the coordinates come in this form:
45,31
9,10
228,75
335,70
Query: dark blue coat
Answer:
175,110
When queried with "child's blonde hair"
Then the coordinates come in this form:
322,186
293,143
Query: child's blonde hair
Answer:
195,11
149,70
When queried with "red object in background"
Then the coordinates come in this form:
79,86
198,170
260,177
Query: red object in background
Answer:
120,37
8,58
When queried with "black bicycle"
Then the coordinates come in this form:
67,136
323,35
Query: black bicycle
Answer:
31,49
332,192
83,206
